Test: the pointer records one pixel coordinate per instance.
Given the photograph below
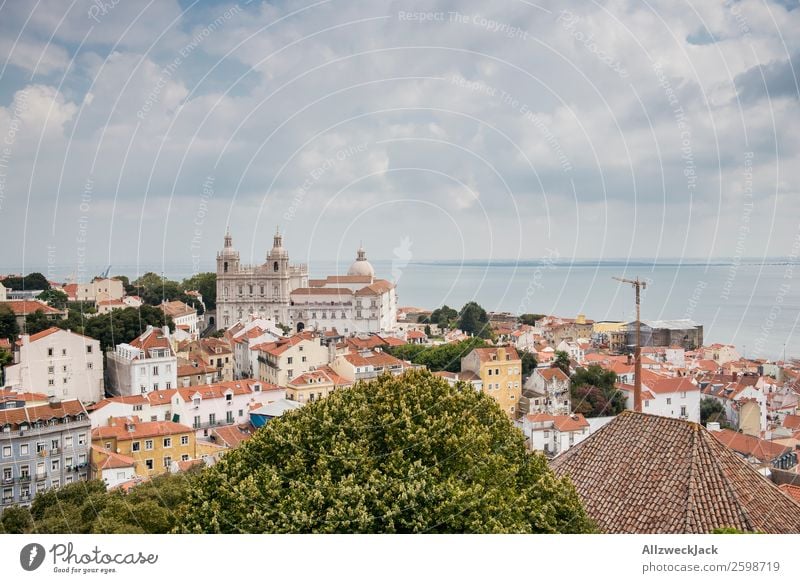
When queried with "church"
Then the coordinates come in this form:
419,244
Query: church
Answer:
356,303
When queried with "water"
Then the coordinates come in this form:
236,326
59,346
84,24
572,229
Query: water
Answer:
754,305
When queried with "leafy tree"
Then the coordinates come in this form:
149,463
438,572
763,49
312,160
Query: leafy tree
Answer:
594,392
8,323
436,358
54,298
561,361
16,520
712,410
206,284
31,281
396,455
427,330
474,320
124,325
529,319
38,321
444,317
529,363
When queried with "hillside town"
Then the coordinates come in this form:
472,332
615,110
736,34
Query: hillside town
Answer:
182,394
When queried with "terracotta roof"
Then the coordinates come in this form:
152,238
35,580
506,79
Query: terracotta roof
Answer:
762,450
376,288
284,344
574,422
26,307
113,460
792,422
60,410
416,334
118,428
176,309
321,291
339,279
150,339
128,399
671,385
647,474
551,373
791,491
486,354
231,435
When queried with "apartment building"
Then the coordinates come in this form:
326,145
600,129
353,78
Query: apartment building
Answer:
147,364
500,371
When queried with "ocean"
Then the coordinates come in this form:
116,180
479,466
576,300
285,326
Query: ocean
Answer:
753,304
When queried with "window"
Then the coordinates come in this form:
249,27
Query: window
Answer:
23,449
54,465
88,349
108,445
683,394
167,442
303,358
148,444
290,372
136,446
82,458
669,401
25,471
241,412
647,403
148,464
7,473
68,462
490,372
49,352
185,457
68,480
683,410
212,418
89,365
51,382
40,447
167,461
184,440
153,417
63,352
51,369
229,417
54,443
55,483
155,370
291,359
81,438
137,407
196,421
229,397
546,434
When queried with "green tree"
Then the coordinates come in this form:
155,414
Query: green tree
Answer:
8,323
124,325
16,520
206,284
474,320
712,410
54,298
440,357
594,392
428,330
443,317
38,321
32,281
561,361
529,363
397,455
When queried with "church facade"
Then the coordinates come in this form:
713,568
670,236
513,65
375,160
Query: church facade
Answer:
263,290
356,303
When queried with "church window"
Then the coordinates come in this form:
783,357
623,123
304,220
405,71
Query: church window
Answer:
262,290
275,266
240,290
275,290
225,267
225,291
251,289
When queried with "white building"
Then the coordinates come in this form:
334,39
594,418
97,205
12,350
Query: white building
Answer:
147,364
677,397
550,391
98,290
368,364
355,303
573,348
554,434
244,337
183,316
262,290
281,361
59,362
115,468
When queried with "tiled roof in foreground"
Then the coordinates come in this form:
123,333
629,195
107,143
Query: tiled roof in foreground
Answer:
649,474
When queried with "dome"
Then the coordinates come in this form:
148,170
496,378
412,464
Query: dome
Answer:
361,266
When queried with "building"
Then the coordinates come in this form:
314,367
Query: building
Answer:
98,290
24,308
676,397
62,363
355,303
43,446
315,385
368,364
262,290
758,452
287,358
500,370
554,434
263,415
644,474
153,445
243,338
744,403
147,364
215,353
183,316
720,353
684,333
549,392
111,467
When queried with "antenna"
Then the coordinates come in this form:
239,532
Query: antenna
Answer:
638,285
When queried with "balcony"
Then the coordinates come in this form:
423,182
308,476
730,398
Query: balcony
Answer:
55,451
41,475
24,478
8,500
8,480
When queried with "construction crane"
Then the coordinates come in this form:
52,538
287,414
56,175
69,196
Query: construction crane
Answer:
638,285
105,273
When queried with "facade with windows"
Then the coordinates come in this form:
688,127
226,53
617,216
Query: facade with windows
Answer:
147,364
60,363
256,290
41,447
500,371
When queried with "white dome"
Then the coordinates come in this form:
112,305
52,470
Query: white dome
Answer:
361,266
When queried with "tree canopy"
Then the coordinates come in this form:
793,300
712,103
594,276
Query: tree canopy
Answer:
54,298
594,392
32,281
561,361
529,319
474,320
407,454
713,411
529,363
438,357
154,289
8,323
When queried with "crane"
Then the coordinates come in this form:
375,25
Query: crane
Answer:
638,285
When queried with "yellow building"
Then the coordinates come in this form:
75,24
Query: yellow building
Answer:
315,385
153,445
500,371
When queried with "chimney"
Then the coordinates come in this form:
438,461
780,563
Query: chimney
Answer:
54,401
735,375
630,361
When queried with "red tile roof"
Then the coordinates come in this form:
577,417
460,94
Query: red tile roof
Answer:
792,422
671,385
141,429
26,307
762,450
791,491
647,474
487,354
552,373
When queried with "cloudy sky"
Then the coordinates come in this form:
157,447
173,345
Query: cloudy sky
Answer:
135,131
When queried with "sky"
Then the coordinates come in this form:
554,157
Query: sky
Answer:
137,132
